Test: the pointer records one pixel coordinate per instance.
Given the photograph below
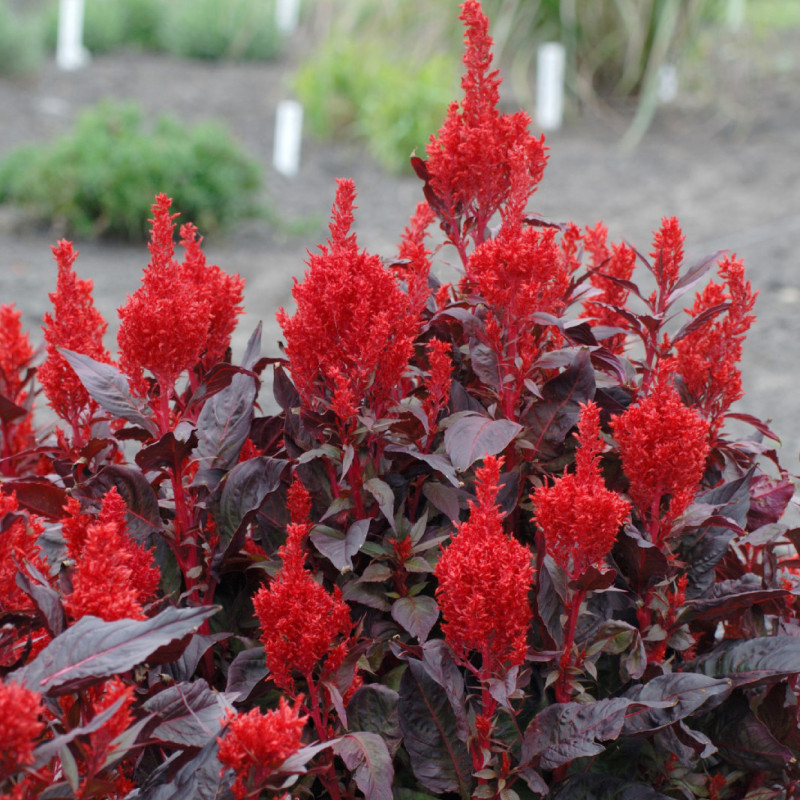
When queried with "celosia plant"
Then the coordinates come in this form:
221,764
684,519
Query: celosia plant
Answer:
497,543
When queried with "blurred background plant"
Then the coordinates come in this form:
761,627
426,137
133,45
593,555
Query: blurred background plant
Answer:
99,179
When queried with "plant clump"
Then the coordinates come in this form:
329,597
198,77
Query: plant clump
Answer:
496,543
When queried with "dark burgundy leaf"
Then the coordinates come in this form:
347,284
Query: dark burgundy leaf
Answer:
417,615
758,424
38,496
10,411
552,418
581,333
473,436
440,760
245,488
753,661
694,274
744,741
594,786
246,670
92,650
224,423
286,396
167,453
384,497
484,364
110,389
218,378
728,599
337,547
182,668
46,599
594,580
704,317
768,500
550,599
443,498
436,461
373,708
563,732
639,559
366,756
142,512
188,714
198,779
672,697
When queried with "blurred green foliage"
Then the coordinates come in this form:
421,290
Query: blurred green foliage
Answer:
101,179
21,45
383,73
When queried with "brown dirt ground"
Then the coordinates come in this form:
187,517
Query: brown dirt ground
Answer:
725,163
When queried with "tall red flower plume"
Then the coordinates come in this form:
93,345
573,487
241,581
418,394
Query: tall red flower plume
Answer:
114,577
706,358
220,293
484,578
19,533
610,265
76,325
302,623
351,337
15,353
20,726
667,255
578,516
663,446
469,166
257,743
180,311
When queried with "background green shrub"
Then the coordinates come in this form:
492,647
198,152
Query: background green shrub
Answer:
21,48
373,77
233,29
101,179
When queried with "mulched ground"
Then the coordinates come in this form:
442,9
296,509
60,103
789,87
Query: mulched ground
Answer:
727,167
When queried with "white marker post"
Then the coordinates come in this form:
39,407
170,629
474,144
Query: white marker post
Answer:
287,15
288,133
70,52
735,15
550,63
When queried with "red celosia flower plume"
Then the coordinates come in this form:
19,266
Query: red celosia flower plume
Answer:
302,623
484,577
667,255
20,727
19,533
180,311
15,353
351,337
114,577
257,743
220,293
76,325
438,381
469,165
578,516
663,446
706,358
610,266
15,357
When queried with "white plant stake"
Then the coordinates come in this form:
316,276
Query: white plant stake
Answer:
287,13
288,132
70,52
550,86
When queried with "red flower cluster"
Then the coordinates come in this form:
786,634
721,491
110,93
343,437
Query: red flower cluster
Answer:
707,357
76,325
469,164
256,744
179,310
578,516
484,576
663,446
609,267
438,380
302,623
15,357
114,577
351,338
20,726
18,544
667,255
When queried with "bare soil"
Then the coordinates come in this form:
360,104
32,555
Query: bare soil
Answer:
727,166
